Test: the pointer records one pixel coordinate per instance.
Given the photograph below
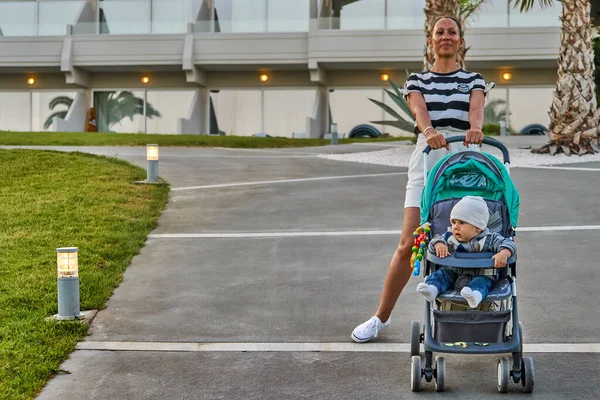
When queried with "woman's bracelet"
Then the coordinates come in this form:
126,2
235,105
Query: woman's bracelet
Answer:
425,130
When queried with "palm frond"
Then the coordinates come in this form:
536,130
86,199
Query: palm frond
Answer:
526,5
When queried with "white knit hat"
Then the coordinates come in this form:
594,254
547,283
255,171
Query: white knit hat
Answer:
472,210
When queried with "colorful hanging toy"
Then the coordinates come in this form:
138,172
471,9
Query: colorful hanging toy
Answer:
419,247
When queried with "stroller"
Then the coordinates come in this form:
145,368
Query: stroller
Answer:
450,325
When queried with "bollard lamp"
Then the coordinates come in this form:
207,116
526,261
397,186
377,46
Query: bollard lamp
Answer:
152,159
68,283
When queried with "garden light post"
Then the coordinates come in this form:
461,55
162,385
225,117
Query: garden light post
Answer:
334,133
68,284
152,158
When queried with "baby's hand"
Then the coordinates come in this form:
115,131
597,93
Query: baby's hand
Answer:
441,250
500,259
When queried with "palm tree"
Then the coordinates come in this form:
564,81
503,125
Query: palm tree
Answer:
55,102
433,10
573,113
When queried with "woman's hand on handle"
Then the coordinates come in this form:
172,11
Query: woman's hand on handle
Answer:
473,136
434,139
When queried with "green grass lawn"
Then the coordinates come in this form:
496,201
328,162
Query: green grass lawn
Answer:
137,139
49,200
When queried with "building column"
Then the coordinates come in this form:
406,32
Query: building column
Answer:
317,123
198,120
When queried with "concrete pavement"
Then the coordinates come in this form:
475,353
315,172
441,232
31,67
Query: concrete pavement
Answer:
303,261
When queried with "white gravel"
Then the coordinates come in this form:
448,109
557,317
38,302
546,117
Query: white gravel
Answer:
399,156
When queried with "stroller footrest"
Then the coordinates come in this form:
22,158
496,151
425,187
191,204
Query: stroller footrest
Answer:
501,290
471,347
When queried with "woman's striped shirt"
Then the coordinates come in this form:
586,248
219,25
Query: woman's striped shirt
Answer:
446,95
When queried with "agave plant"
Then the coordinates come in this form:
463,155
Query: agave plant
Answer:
400,122
403,124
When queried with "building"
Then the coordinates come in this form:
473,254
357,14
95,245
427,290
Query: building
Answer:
280,67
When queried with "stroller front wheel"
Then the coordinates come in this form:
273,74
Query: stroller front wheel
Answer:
527,374
440,372
416,373
503,374
415,338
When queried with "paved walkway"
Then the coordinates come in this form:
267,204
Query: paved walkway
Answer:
264,261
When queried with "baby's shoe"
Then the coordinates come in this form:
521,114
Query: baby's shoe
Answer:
473,297
369,329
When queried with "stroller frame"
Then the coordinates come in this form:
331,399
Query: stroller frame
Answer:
512,340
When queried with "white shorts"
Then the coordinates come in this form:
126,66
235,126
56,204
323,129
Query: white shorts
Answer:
416,174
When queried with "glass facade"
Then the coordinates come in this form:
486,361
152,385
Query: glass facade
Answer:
491,14
18,18
286,111
276,112
171,16
27,111
529,106
238,111
124,16
45,106
405,14
122,111
537,16
351,107
55,15
49,17
236,16
15,111
362,14
165,107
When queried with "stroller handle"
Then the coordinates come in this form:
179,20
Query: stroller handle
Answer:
486,140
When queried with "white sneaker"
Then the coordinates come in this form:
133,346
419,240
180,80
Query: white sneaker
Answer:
369,329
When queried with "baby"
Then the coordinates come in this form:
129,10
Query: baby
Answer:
469,233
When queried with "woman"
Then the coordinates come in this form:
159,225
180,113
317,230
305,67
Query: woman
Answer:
445,101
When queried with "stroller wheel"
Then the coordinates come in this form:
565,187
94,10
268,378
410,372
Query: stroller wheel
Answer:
503,374
440,372
415,338
527,374
416,373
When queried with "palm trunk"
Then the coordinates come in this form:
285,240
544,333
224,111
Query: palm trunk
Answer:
433,10
574,113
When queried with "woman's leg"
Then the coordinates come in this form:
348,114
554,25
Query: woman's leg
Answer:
399,270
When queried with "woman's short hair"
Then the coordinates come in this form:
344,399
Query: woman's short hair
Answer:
460,31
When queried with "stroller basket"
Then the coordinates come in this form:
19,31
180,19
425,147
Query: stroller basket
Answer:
469,326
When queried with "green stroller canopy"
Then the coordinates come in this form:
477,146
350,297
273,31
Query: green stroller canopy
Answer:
470,173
